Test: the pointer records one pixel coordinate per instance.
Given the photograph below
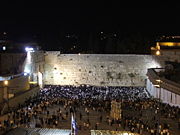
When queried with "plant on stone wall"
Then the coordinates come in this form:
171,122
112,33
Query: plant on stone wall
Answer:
131,75
119,76
120,61
90,72
109,75
102,83
113,75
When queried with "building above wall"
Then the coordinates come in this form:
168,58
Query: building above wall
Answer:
166,44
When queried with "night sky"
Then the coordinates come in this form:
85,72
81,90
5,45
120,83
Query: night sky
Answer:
27,21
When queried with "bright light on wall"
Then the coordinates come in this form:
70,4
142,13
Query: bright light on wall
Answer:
28,57
25,73
6,83
158,52
32,82
28,63
29,49
27,70
4,48
156,85
40,79
158,80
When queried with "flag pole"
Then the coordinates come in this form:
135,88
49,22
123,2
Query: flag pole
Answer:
71,124
74,129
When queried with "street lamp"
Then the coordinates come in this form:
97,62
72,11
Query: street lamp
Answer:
6,92
159,86
6,82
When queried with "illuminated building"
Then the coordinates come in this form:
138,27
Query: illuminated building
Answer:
167,46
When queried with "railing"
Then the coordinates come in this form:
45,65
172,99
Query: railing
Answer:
165,83
18,99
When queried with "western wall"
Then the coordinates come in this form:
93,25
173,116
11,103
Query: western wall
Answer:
98,69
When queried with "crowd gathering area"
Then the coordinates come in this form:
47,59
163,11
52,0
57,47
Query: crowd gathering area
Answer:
91,105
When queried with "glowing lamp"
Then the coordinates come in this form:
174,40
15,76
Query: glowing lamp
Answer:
6,83
29,49
4,48
158,52
157,86
25,73
158,80
125,134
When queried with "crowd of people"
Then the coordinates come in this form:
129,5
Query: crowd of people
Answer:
95,92
54,104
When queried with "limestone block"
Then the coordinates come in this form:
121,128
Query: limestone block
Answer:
93,68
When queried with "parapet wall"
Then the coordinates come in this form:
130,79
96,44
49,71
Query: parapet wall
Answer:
98,69
11,63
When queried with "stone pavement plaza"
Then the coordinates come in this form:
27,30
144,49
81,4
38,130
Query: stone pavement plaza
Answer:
94,117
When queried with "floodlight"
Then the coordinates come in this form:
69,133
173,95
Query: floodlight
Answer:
6,82
29,49
25,73
4,48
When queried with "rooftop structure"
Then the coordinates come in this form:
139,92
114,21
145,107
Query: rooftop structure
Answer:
165,44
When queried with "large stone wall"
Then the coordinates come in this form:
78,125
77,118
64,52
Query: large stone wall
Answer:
98,69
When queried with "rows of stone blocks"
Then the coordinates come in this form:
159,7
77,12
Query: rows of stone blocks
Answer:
98,69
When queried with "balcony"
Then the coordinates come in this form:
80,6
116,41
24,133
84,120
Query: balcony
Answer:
165,83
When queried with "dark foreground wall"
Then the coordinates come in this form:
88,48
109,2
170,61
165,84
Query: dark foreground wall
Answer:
20,99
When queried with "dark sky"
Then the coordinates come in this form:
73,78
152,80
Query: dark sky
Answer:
47,17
